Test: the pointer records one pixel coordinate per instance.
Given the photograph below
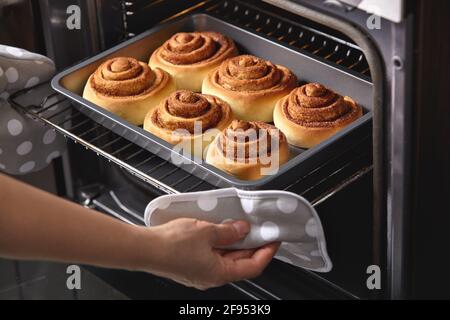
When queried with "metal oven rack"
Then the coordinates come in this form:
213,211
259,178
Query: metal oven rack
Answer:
167,178
267,20
260,18
164,176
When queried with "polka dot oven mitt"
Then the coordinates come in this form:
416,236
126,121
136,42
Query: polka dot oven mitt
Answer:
275,216
25,144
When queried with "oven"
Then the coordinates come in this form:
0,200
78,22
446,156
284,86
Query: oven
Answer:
364,194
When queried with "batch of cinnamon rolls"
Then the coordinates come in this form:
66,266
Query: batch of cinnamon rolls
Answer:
198,91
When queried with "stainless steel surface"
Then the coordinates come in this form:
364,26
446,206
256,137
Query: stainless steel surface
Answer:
72,81
400,148
377,70
395,44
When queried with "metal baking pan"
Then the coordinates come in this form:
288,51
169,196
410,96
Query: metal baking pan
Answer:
72,81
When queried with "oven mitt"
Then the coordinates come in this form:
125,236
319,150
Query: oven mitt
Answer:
275,216
25,144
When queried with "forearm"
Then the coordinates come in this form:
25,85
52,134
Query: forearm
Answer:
38,225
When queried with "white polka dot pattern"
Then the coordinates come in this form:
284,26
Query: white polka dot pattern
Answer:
14,51
15,127
52,156
164,204
311,228
12,75
248,205
4,95
27,167
32,82
207,203
24,148
287,205
274,216
49,137
22,140
270,231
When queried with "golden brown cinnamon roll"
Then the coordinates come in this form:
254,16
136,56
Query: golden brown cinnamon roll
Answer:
128,88
252,86
249,150
313,113
189,57
189,119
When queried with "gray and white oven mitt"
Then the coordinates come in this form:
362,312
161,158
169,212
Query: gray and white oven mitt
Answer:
275,216
25,144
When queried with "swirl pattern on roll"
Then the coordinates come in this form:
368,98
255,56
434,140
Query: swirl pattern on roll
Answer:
252,74
196,47
247,141
127,77
184,108
313,105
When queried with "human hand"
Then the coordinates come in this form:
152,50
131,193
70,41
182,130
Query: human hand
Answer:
186,251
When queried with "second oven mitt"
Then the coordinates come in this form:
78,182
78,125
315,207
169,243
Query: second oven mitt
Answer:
275,216
25,145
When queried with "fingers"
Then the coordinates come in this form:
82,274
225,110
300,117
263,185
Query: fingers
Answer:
229,233
240,254
251,267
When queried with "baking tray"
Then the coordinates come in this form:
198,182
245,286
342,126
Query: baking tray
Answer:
308,69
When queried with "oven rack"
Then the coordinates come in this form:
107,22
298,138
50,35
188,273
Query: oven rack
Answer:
57,111
262,18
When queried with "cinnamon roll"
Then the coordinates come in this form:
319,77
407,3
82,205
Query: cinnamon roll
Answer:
190,120
189,57
128,88
313,113
249,150
252,86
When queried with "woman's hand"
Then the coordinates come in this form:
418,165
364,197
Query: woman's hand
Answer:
45,227
186,252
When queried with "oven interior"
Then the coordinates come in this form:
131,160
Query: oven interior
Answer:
119,178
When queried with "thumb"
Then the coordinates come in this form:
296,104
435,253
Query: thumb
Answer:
230,233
